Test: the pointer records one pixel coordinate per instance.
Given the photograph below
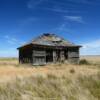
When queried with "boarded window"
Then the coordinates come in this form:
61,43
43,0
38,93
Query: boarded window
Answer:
39,57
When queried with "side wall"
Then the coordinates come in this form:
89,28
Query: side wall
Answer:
73,55
25,55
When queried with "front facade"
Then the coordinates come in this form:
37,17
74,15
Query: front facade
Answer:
49,48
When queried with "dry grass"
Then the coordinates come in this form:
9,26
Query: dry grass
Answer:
9,69
8,61
50,82
92,59
10,72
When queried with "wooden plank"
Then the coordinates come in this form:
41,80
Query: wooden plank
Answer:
39,53
39,57
73,60
62,56
54,56
73,54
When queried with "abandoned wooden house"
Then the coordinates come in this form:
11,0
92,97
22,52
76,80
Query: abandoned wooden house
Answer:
49,48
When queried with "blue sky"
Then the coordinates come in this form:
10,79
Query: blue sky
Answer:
75,20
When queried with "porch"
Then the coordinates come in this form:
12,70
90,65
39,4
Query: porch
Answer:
49,56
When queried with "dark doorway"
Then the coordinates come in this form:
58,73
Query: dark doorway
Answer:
66,54
49,56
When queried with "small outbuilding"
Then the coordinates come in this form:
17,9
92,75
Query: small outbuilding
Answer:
49,48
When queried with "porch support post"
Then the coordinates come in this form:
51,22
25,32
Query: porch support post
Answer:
62,58
54,57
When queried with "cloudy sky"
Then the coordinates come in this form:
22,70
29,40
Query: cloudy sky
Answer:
75,20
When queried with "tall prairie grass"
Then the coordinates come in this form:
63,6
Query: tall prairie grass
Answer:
52,82
52,88
8,61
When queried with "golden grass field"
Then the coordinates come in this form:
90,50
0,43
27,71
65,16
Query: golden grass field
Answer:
93,59
10,69
11,72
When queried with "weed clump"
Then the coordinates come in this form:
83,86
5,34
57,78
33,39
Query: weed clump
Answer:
50,76
72,71
84,62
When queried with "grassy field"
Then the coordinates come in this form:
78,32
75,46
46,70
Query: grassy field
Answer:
92,59
50,82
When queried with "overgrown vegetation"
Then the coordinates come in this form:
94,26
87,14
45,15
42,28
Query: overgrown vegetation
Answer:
72,71
9,62
8,59
35,88
91,83
52,88
84,62
52,82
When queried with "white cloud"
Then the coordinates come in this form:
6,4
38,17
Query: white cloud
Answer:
57,9
27,21
81,1
78,19
56,6
93,44
34,3
61,28
11,44
12,40
91,48
86,2
64,27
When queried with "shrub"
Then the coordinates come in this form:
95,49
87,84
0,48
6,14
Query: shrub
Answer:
84,62
50,76
72,71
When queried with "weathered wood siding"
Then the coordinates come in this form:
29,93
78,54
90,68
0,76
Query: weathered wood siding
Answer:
73,55
39,57
62,56
54,56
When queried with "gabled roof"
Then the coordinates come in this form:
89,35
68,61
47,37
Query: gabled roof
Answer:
48,39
